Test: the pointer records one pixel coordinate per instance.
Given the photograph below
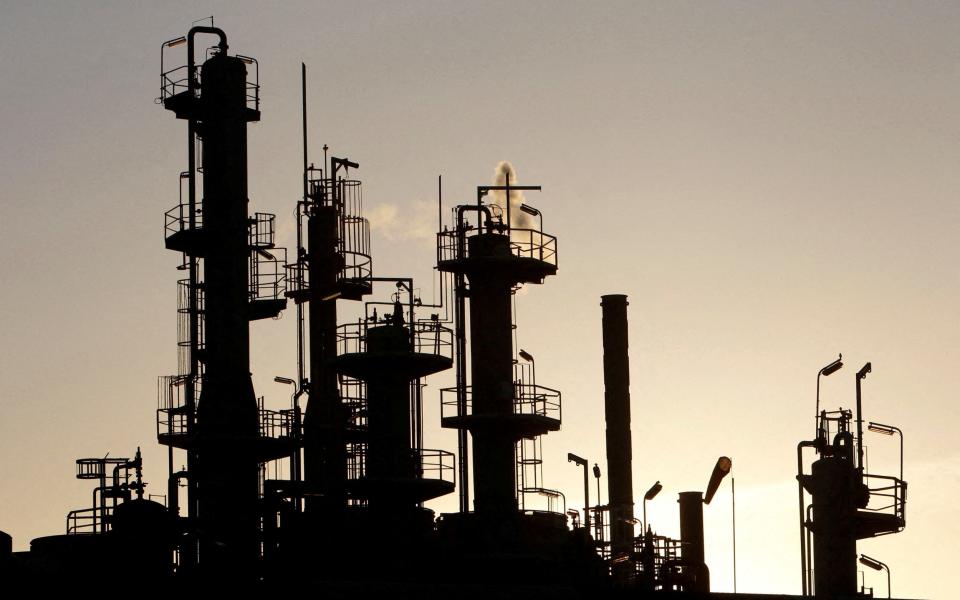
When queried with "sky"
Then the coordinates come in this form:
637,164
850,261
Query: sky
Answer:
771,184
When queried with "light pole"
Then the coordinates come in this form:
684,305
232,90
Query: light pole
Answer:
889,430
876,565
582,462
596,473
533,365
861,375
825,372
650,495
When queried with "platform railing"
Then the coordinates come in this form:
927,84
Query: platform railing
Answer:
276,424
268,274
261,230
353,395
357,268
88,521
427,337
524,243
356,460
891,495
177,81
436,464
177,219
172,415
529,399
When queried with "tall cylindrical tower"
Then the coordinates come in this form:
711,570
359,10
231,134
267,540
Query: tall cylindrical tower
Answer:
225,251
227,425
497,410
616,377
325,466
491,366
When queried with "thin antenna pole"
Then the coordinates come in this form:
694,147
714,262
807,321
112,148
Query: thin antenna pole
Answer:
733,494
303,92
297,465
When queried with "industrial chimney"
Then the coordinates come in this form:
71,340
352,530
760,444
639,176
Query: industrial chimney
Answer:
691,538
616,377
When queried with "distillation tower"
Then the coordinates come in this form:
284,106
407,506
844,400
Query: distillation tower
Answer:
498,403
847,503
210,409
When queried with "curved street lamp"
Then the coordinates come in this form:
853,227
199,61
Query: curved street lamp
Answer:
826,372
650,495
877,566
889,430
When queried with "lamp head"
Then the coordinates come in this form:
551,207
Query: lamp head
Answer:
832,367
883,429
653,491
870,562
529,210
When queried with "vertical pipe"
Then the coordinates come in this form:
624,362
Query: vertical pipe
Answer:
616,376
804,577
861,374
459,315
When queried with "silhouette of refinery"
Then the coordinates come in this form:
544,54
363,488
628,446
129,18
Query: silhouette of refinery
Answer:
348,516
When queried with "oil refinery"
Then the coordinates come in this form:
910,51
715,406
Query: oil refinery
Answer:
328,494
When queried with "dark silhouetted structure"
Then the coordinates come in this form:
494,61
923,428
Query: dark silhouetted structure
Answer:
847,503
616,378
331,500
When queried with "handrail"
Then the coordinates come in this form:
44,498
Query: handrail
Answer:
178,79
173,417
524,243
275,424
429,337
177,219
550,495
436,465
895,492
268,275
528,399
87,521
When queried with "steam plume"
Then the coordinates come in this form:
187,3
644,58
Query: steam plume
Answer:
518,218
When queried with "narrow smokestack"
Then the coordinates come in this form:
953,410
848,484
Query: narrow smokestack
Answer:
691,539
616,377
